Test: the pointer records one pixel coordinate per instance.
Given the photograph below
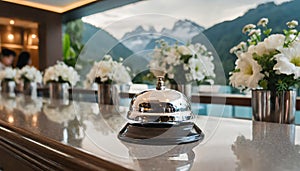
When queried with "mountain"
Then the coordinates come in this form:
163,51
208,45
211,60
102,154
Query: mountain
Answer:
95,36
225,35
99,42
142,39
184,30
139,38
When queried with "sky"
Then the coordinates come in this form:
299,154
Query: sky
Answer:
163,13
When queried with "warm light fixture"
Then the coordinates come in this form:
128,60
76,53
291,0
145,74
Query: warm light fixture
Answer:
12,22
10,119
45,6
34,120
33,36
10,37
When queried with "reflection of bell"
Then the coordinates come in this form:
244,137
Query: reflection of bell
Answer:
160,116
179,157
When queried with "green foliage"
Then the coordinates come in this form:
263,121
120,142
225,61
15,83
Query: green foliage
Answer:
72,42
185,58
145,77
267,32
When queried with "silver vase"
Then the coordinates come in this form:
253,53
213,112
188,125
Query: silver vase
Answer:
278,107
59,93
105,94
28,88
8,86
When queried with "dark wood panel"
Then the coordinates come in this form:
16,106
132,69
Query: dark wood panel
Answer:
48,154
9,160
49,31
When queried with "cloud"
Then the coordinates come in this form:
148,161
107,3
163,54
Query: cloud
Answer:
205,13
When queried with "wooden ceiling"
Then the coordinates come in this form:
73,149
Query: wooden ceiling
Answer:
58,6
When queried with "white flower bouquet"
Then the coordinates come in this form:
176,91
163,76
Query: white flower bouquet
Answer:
8,74
183,64
61,73
108,71
28,74
267,61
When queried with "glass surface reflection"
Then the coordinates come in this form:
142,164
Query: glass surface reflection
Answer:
179,158
272,148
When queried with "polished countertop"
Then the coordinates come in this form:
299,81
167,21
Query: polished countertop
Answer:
229,144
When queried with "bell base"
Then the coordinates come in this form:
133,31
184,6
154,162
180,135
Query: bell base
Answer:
161,133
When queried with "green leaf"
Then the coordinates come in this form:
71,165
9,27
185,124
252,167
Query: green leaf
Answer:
66,45
264,84
267,32
185,58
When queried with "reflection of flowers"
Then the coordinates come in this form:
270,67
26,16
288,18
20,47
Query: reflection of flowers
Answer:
271,152
60,114
73,131
8,103
106,120
114,120
29,106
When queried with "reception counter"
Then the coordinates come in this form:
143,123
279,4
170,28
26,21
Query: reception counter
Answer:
40,134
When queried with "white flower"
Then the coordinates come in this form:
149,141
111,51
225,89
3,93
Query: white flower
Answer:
248,28
196,67
256,32
274,41
288,61
30,73
8,73
186,67
293,31
184,50
120,74
108,70
61,72
241,47
292,24
263,22
201,67
233,49
172,57
254,64
248,74
259,49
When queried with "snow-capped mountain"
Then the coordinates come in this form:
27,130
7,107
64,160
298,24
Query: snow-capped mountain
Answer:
184,30
140,38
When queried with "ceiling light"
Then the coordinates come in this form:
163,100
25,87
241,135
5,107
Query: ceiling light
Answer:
33,36
12,22
10,36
